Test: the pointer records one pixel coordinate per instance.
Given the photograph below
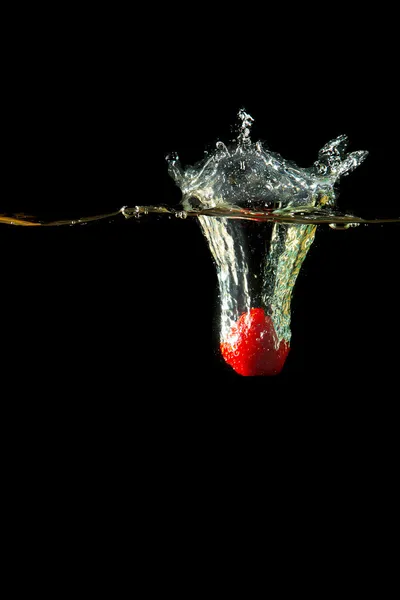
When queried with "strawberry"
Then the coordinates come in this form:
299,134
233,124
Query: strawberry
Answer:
251,348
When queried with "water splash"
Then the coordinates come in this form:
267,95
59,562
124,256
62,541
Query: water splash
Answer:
247,175
259,213
256,280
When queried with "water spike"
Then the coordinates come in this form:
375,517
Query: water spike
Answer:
333,161
245,123
351,162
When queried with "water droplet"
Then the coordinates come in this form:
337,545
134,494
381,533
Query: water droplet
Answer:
182,214
172,156
223,149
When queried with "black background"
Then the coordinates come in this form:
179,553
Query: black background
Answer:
92,111
126,420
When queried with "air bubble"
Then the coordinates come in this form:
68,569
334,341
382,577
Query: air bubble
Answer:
343,226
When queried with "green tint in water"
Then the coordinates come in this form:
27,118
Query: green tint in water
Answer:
288,249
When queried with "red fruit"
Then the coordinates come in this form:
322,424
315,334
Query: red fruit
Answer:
252,348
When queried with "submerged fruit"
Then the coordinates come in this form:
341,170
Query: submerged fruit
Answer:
252,347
